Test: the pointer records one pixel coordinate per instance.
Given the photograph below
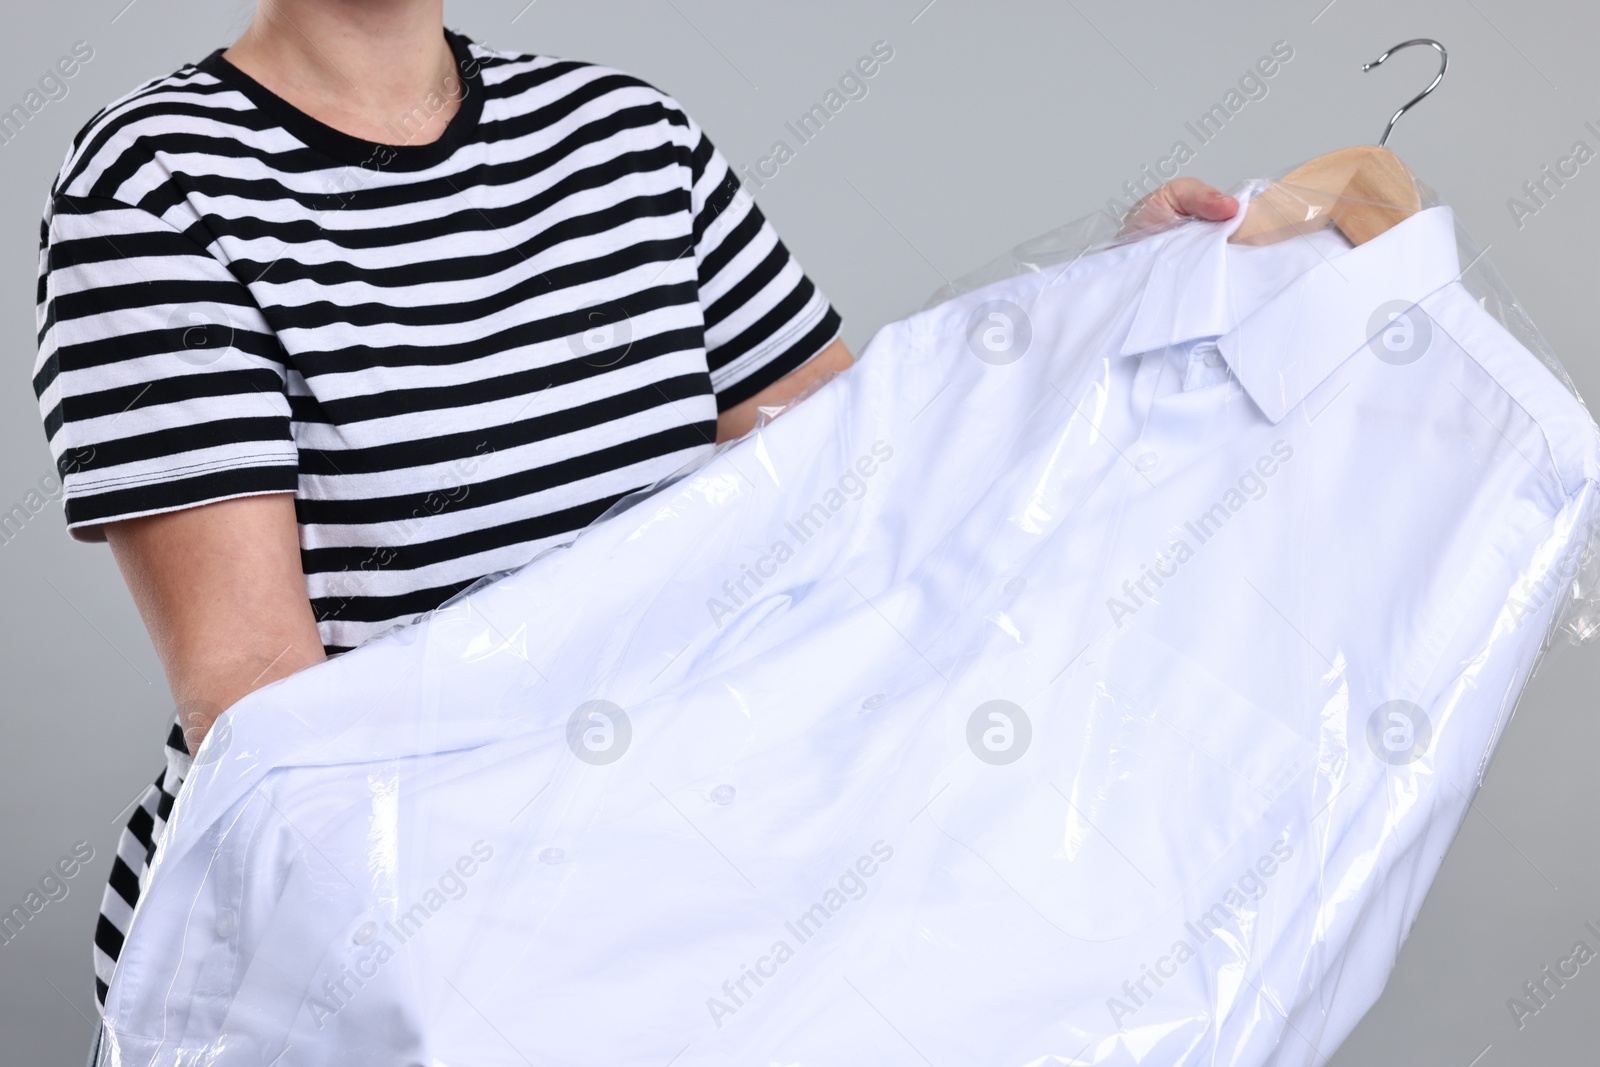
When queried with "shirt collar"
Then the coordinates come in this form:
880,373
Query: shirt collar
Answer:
1289,344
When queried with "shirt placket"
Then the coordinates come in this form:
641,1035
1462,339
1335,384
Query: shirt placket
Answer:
1156,376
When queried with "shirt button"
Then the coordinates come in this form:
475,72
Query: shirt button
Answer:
1146,462
225,924
553,856
724,794
1213,358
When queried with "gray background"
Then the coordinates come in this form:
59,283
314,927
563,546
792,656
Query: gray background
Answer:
995,121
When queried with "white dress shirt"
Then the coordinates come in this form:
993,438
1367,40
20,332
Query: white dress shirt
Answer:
1099,671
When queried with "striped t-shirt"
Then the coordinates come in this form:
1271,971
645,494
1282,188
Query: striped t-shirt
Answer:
454,354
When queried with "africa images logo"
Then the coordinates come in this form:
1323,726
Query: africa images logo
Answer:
999,332
1401,333
599,732
849,487
1399,732
999,732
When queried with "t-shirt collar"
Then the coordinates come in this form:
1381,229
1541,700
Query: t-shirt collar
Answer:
1289,344
355,151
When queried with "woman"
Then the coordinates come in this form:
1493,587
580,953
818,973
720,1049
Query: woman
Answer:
355,312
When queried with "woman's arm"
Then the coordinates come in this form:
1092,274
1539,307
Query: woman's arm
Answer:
221,592
737,420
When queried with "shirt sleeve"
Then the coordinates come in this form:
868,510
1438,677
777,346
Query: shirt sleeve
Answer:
160,383
763,316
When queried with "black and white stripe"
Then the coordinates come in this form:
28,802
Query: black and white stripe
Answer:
454,354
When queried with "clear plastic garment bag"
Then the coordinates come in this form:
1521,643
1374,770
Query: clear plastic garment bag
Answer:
1094,674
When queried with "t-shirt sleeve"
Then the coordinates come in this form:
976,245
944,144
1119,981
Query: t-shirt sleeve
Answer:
160,383
763,316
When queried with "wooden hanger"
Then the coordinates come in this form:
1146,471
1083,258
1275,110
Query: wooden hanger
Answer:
1363,190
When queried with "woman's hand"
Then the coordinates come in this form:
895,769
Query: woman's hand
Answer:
1180,198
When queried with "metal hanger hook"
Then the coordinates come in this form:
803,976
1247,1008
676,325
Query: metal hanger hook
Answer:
1444,62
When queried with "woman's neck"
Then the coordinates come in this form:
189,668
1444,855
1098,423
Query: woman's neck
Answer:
380,70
